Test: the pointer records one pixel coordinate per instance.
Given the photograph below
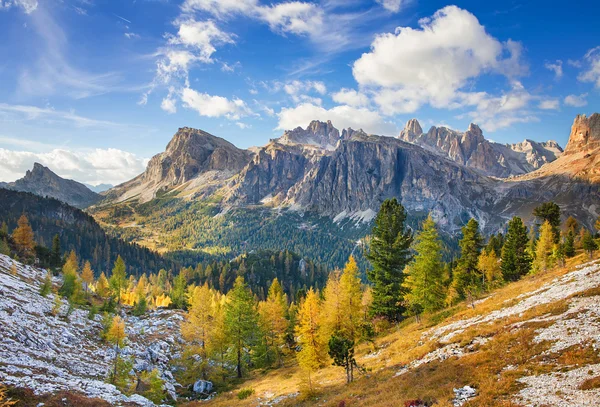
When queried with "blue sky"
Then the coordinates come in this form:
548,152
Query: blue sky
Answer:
94,88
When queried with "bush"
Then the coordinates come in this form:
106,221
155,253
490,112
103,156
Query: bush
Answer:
245,393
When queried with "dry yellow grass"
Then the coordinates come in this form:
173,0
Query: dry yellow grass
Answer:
510,344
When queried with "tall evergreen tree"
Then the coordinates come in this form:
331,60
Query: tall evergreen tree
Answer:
240,323
389,254
56,252
425,273
589,244
118,279
467,277
516,260
550,212
569,244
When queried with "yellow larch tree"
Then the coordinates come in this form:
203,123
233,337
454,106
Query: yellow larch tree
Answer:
351,300
312,350
273,321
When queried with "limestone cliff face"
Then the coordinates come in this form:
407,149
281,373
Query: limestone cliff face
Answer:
42,181
473,150
585,134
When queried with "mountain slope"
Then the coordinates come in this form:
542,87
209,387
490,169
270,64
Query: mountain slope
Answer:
43,182
78,231
473,150
48,353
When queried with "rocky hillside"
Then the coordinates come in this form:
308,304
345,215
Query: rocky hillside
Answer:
43,182
473,150
50,353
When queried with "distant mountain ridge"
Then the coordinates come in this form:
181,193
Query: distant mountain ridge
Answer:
472,149
43,182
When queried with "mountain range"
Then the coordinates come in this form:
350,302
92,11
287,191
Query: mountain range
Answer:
320,187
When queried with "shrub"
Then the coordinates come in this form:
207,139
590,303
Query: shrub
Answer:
245,393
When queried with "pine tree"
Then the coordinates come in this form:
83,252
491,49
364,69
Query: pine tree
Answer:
558,254
425,273
468,279
351,298
240,322
55,254
516,260
389,254
4,247
311,354
23,238
571,225
341,350
589,244
118,279
87,275
178,293
155,392
550,212
569,245
543,248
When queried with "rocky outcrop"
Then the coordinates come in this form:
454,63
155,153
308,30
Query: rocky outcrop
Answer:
585,134
320,134
473,150
42,181
194,161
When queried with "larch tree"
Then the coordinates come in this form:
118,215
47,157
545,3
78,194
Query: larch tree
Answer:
425,274
516,259
87,275
332,312
467,278
543,248
273,321
389,253
241,323
102,286
118,279
197,328
116,335
311,354
489,266
351,300
24,238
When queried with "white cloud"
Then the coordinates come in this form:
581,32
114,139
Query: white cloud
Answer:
202,36
342,116
130,35
350,97
392,5
243,126
29,6
95,166
433,63
576,100
555,67
293,17
169,105
214,106
592,71
549,104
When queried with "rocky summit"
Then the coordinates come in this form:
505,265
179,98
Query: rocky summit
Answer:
42,181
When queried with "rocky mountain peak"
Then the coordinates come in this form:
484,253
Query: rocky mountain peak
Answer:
585,134
318,133
44,182
412,129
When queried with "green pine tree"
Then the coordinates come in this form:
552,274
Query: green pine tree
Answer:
118,279
516,260
589,244
550,212
570,244
389,253
467,277
240,323
426,273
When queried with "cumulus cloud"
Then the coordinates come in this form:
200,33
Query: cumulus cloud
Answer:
592,71
95,166
342,116
392,5
549,104
202,36
350,97
576,100
431,64
555,67
214,106
29,6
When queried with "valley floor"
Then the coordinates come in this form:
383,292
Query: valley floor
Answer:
531,343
